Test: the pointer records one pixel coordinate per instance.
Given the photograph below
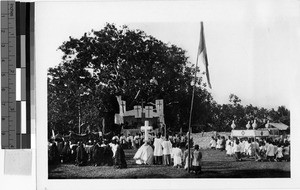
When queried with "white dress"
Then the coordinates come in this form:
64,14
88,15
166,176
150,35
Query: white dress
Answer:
177,156
158,150
167,147
144,155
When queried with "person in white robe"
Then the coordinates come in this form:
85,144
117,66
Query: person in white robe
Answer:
229,148
144,155
177,156
113,145
213,143
218,147
158,149
167,149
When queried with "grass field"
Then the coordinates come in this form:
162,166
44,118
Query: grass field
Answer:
215,165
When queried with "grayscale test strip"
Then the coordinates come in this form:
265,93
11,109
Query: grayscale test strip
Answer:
17,59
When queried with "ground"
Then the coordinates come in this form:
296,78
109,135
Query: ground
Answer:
215,165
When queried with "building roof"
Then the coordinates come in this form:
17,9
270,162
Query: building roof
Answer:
280,126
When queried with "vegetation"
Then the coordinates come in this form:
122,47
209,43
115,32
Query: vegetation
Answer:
100,65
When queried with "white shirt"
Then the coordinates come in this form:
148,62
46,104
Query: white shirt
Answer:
158,151
167,147
270,150
213,143
237,147
113,148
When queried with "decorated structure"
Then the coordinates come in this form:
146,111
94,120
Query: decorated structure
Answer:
270,130
248,132
133,120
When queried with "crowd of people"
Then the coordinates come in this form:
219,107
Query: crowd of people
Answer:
135,141
163,151
97,153
267,149
156,150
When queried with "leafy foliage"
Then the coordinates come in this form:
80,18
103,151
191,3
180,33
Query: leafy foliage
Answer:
120,61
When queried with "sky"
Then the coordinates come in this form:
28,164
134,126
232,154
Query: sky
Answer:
252,47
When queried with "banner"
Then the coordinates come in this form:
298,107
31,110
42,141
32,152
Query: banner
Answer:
148,111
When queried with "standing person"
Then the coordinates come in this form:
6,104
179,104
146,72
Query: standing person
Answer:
229,148
140,140
81,155
53,155
136,141
130,142
243,145
73,146
186,157
60,146
167,148
270,151
123,142
286,151
218,147
113,145
158,151
279,154
107,154
222,143
119,157
182,141
256,149
247,148
237,150
66,152
177,156
213,143
196,163
98,151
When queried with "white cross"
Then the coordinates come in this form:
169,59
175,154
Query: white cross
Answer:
146,128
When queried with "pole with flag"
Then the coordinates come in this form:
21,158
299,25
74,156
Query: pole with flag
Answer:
203,52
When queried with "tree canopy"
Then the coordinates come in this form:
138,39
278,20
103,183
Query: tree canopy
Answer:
113,61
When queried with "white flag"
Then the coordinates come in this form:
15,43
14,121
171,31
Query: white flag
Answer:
148,111
137,111
159,104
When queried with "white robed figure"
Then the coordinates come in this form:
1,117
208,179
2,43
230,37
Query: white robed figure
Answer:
177,156
144,155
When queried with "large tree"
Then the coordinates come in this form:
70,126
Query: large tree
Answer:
120,61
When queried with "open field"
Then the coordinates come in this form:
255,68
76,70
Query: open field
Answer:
215,165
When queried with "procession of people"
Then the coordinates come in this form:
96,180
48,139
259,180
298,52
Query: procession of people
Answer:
258,149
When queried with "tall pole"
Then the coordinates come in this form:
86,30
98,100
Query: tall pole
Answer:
79,114
191,111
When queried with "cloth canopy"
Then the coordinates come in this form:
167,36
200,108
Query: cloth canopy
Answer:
279,126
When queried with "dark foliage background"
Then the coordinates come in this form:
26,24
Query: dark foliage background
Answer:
120,61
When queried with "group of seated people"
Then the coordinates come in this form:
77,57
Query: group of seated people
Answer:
259,149
97,153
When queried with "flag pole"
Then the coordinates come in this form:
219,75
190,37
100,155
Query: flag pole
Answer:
191,110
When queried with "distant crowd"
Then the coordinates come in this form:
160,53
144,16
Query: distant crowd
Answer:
267,149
